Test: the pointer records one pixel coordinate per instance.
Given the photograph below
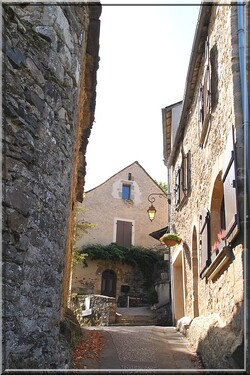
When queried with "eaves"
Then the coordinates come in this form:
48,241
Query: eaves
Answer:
192,76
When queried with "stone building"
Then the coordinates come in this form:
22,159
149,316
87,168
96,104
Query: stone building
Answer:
117,213
204,153
50,61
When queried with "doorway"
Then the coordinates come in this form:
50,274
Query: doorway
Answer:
108,287
195,274
178,292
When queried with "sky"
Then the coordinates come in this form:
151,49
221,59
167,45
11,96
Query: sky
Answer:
144,57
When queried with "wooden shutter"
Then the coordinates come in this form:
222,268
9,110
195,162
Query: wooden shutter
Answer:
177,187
200,109
205,97
124,233
207,57
186,173
207,91
230,190
205,240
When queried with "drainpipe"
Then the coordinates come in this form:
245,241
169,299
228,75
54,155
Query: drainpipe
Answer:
244,93
242,37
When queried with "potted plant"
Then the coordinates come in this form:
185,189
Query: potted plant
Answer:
170,239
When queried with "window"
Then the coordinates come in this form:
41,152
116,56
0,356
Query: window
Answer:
230,190
126,191
124,233
204,240
217,217
214,77
177,187
220,225
183,180
204,98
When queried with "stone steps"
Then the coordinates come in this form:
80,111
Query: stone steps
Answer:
134,320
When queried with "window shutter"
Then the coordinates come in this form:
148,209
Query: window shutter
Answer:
182,180
177,187
207,51
186,173
205,97
207,91
124,233
205,239
230,190
200,109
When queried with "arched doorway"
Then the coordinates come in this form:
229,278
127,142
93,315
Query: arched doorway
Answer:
195,274
108,287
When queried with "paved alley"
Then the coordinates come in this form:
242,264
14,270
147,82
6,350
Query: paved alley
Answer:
143,348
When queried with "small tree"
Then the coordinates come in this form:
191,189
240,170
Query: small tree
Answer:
80,228
163,186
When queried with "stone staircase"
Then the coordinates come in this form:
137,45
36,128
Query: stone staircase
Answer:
134,317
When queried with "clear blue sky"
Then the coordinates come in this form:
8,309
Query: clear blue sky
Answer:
144,57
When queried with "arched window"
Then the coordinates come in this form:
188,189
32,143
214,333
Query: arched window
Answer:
217,217
219,226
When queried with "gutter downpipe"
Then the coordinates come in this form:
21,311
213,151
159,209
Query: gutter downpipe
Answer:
244,93
242,37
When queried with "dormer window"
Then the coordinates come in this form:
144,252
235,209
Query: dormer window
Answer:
126,191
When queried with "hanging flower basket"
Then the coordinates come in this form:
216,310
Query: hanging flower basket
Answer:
170,239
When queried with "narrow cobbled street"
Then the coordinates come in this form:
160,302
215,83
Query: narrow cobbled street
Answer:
135,347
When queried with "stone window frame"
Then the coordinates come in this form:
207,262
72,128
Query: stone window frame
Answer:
204,98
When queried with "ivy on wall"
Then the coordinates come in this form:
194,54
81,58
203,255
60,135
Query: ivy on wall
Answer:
146,260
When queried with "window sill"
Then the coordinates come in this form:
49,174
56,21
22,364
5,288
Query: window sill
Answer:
218,264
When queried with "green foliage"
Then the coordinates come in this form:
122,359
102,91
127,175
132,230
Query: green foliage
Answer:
170,236
143,259
79,258
163,186
80,228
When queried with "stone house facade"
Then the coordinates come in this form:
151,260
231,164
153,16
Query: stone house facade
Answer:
117,213
204,154
50,60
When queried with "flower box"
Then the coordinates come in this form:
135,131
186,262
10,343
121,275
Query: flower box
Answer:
170,239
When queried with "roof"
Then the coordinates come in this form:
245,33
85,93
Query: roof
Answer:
167,129
139,165
192,74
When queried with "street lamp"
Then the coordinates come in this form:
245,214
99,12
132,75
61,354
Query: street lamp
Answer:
152,210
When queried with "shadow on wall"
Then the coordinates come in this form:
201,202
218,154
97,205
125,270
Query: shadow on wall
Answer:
187,254
220,346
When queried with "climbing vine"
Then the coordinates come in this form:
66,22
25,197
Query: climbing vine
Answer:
142,258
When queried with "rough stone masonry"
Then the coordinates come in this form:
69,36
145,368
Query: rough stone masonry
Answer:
49,65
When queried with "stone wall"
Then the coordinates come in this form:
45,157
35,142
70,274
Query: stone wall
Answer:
49,64
103,310
88,280
223,296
